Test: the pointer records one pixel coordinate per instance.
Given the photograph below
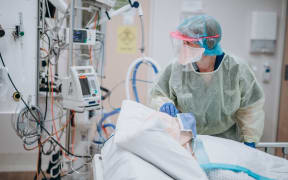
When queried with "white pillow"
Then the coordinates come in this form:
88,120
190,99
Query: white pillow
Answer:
141,130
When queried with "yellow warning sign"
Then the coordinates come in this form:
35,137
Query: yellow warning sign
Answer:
126,40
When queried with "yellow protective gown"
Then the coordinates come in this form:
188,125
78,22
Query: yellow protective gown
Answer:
227,102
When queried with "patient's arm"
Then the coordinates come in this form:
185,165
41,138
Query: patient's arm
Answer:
172,127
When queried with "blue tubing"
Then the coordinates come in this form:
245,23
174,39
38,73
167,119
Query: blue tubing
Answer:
105,116
116,111
134,78
109,125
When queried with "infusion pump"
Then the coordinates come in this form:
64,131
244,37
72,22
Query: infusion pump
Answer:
81,91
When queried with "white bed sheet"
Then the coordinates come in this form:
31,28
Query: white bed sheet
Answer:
225,151
141,132
119,164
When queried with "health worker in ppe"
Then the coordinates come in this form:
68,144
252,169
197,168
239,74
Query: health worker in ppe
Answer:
219,89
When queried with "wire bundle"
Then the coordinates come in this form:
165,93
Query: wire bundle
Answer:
26,126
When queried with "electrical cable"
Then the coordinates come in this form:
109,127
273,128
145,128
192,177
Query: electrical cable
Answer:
50,150
43,174
111,91
56,118
108,138
90,47
117,85
52,50
72,121
40,162
52,112
75,170
47,53
48,10
93,16
49,40
39,158
47,139
26,128
46,105
90,56
142,49
107,93
24,102
52,100
98,20
101,59
46,98
49,44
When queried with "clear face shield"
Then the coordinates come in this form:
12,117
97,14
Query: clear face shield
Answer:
189,50
186,50
196,37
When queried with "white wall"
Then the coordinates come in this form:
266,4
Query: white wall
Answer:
21,61
235,18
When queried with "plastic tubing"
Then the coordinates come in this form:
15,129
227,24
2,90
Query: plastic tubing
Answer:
138,61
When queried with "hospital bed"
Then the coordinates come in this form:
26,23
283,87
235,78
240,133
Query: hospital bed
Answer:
141,149
144,170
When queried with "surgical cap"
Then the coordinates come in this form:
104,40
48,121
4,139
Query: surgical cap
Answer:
206,29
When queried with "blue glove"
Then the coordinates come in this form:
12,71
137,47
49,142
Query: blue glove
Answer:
252,144
170,109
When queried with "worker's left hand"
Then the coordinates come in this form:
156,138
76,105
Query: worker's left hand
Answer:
170,109
250,144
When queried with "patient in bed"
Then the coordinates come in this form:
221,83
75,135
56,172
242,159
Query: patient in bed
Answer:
160,140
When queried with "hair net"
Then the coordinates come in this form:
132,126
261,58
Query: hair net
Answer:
203,29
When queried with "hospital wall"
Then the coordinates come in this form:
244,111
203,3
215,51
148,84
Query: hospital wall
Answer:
235,18
20,58
117,61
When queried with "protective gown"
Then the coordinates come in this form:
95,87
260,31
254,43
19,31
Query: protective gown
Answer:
227,102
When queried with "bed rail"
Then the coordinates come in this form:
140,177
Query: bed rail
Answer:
274,145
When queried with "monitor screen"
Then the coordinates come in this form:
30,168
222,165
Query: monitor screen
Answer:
84,85
79,36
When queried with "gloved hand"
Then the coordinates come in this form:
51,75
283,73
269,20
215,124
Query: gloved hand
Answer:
170,109
187,122
250,144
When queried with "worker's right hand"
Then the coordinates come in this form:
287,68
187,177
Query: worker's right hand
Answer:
170,109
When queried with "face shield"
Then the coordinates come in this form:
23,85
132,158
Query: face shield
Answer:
188,49
197,36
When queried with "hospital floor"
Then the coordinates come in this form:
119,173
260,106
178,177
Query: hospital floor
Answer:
17,175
